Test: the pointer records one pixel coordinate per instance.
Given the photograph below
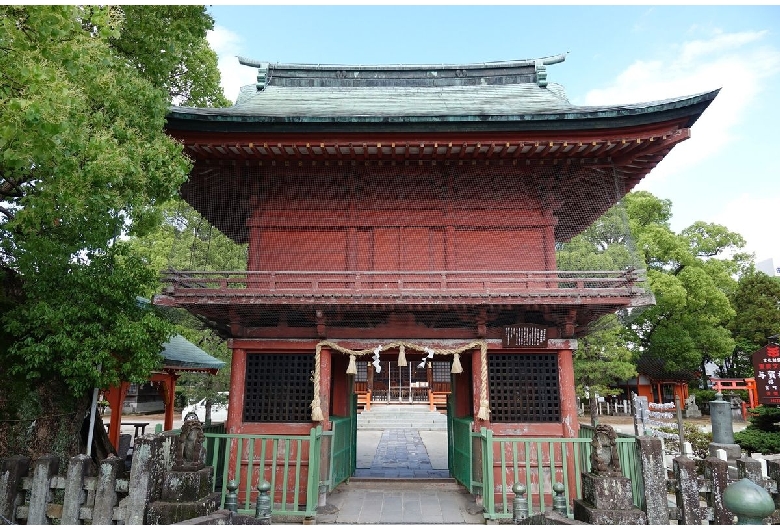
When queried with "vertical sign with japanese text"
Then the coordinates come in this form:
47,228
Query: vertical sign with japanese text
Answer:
766,363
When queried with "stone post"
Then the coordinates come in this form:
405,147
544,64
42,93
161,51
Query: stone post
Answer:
717,472
40,492
145,477
723,429
74,496
750,502
750,468
12,471
654,475
720,416
105,491
687,491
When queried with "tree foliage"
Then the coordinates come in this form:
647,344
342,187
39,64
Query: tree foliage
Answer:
186,241
603,358
756,303
84,160
690,273
691,276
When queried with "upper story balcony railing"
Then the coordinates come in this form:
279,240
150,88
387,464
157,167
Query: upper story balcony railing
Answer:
401,287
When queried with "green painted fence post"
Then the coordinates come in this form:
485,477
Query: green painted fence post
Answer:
488,498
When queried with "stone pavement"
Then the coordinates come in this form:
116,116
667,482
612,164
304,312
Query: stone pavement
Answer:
401,477
365,501
401,453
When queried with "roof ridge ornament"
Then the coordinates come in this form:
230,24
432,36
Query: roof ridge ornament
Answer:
262,77
541,74
262,71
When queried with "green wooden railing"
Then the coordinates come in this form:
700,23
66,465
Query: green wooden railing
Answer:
630,462
276,458
460,451
342,451
536,462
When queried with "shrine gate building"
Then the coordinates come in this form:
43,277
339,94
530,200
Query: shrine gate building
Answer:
408,216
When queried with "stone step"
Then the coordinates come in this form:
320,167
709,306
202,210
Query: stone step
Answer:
407,419
413,484
417,417
402,423
399,425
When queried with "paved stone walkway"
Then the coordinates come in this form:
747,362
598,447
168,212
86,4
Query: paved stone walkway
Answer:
401,502
401,453
419,490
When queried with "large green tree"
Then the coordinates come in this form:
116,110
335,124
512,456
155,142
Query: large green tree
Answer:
85,162
691,275
756,303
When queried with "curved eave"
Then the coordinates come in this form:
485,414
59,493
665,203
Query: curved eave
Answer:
549,60
573,119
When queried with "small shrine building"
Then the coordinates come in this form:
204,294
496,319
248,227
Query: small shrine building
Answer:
407,216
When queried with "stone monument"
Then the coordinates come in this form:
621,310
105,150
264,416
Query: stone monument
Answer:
691,409
607,497
188,488
723,432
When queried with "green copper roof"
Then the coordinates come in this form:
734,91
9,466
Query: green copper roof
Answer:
179,352
512,94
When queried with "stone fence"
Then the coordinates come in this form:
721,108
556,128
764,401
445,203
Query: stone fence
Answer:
46,491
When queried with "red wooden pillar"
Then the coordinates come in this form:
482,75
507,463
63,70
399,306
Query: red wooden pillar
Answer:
167,391
237,374
170,393
236,404
571,425
463,388
116,398
325,376
476,385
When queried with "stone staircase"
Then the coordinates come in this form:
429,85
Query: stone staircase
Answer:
417,417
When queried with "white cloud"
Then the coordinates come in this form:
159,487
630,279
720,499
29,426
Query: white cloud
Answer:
730,61
228,46
751,216
745,69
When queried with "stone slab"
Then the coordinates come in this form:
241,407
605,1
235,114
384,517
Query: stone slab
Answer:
607,492
161,512
588,514
187,486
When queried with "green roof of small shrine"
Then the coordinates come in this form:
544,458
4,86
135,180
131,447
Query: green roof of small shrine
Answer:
181,353
483,96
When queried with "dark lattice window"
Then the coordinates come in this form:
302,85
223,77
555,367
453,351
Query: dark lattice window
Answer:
441,372
362,372
524,388
278,387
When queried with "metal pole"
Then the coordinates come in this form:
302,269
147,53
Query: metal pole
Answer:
92,412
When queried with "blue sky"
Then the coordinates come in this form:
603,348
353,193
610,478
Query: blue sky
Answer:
726,173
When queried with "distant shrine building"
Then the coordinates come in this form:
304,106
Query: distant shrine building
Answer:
402,224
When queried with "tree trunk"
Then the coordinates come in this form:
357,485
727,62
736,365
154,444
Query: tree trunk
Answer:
207,416
42,420
101,445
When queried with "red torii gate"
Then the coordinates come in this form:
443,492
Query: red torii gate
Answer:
748,384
